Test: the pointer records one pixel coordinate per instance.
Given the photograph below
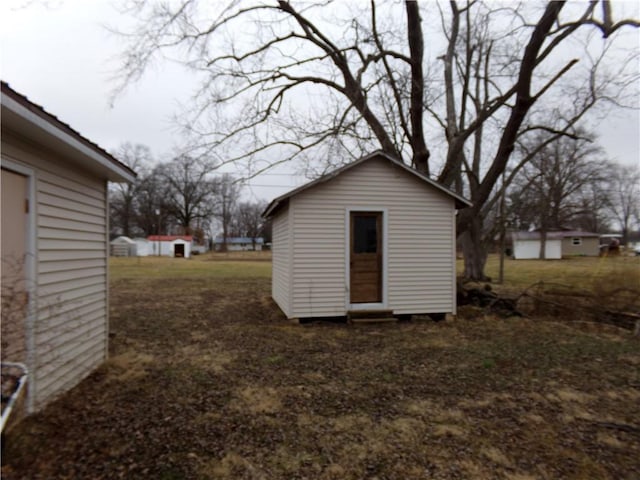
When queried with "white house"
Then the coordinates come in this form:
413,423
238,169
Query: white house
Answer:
240,244
526,245
170,245
373,235
55,247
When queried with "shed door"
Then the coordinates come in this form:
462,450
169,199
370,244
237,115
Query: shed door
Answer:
178,250
14,247
365,263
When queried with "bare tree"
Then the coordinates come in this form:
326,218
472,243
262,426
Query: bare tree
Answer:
153,209
362,80
123,196
190,190
248,221
548,193
227,193
624,189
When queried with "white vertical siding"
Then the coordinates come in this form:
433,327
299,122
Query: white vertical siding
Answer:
530,249
70,330
420,241
280,281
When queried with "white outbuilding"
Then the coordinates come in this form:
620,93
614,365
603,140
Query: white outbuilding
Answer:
170,245
143,247
55,248
123,246
372,235
526,245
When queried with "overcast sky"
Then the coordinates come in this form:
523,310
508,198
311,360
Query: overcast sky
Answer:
58,54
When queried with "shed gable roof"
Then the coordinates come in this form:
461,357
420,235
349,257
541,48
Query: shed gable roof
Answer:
35,123
278,202
169,238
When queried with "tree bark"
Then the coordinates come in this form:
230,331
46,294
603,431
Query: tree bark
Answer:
523,102
474,251
543,244
416,48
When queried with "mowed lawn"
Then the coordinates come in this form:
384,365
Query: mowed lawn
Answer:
207,380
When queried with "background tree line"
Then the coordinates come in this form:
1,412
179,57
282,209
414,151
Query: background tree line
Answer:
453,88
569,184
183,196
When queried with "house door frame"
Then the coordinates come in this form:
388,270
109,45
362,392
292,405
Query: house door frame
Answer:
29,271
384,260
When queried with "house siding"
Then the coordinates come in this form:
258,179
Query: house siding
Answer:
420,278
70,327
530,249
590,247
281,258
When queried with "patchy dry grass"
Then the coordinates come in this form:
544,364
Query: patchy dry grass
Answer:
207,380
579,272
206,267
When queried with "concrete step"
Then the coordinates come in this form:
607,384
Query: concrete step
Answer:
370,316
373,320
369,313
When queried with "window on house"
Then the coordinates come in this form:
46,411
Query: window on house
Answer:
576,241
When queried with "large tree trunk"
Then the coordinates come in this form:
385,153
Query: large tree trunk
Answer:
416,47
474,251
543,244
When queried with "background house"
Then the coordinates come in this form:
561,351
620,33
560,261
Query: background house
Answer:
237,244
374,234
55,247
526,245
577,243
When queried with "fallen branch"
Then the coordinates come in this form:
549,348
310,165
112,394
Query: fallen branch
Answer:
620,426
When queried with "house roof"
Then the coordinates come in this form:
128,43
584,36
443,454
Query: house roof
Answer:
32,121
552,235
232,240
169,238
275,204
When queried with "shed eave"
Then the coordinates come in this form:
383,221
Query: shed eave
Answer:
460,202
34,123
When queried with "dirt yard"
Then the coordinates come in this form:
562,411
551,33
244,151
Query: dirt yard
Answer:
207,380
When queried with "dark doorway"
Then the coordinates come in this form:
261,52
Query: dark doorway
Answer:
366,257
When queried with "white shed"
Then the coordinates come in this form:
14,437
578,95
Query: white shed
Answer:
526,245
171,245
373,235
143,247
123,246
55,247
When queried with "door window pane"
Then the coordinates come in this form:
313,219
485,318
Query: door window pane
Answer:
365,234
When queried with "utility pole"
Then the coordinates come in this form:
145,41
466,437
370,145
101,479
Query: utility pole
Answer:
503,232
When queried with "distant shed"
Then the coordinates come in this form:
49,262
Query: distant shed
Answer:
171,245
123,247
373,235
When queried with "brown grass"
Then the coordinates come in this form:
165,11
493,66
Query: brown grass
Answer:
207,380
